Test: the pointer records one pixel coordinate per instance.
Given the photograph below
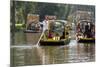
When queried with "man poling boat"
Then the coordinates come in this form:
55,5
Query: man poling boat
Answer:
56,33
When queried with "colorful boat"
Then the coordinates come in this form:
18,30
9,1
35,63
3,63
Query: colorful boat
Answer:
57,34
85,31
33,24
86,40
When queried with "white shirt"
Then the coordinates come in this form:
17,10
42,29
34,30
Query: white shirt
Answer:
45,25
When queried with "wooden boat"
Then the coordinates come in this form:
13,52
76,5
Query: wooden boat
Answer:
54,42
32,25
86,40
85,31
58,39
81,38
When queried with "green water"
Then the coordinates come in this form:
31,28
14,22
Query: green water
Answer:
24,51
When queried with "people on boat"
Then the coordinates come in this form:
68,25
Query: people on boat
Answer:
87,30
92,27
50,34
78,27
63,35
29,27
89,33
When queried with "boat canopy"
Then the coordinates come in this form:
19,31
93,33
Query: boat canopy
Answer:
57,26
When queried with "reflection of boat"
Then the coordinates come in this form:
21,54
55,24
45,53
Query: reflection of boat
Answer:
57,34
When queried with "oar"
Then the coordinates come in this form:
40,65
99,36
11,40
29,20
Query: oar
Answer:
40,38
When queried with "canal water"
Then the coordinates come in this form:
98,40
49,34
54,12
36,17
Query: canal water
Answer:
24,51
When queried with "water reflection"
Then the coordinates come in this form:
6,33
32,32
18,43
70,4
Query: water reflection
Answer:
22,38
29,54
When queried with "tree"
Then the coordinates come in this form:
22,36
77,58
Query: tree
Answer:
12,21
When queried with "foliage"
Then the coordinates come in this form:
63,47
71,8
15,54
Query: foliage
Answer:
24,8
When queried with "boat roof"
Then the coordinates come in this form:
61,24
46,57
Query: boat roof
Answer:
85,20
63,21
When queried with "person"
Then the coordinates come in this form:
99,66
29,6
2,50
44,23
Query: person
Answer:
45,24
73,26
92,30
87,30
50,34
41,26
29,27
78,27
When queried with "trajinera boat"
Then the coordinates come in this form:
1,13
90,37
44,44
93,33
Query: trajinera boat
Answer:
85,31
57,33
32,25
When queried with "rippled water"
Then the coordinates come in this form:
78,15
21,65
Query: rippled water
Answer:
25,52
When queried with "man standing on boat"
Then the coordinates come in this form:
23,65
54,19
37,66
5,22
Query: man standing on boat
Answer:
45,24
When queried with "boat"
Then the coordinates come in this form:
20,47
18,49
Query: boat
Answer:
33,24
85,40
57,34
51,42
88,36
33,28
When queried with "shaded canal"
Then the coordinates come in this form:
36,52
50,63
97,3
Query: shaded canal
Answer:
25,51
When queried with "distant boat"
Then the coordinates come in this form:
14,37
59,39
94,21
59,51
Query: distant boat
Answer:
86,40
32,25
80,36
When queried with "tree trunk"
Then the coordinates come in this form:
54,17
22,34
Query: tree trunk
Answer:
12,22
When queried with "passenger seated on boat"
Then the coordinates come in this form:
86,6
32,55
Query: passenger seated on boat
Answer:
93,32
87,31
29,27
78,27
80,35
92,29
50,34
63,36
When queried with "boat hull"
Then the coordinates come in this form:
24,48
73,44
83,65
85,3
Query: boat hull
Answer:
87,40
53,43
